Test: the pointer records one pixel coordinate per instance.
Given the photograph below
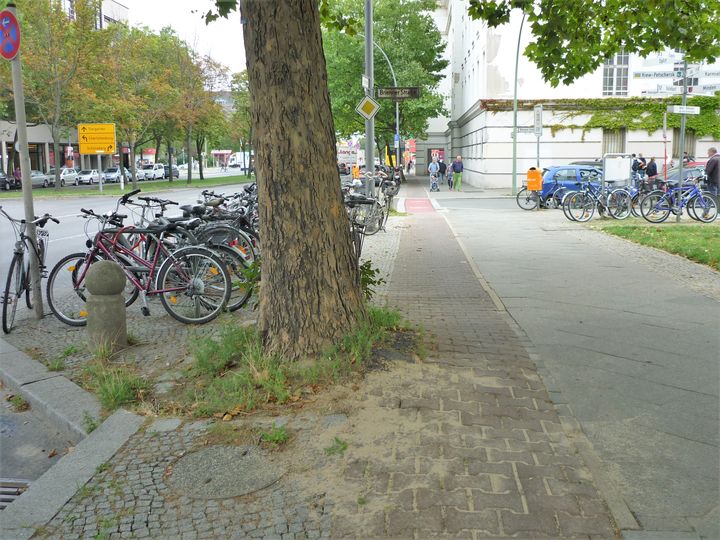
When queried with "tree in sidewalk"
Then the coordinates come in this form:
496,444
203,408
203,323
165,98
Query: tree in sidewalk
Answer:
414,46
240,123
572,39
310,295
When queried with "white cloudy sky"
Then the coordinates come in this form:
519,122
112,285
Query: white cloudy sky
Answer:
221,39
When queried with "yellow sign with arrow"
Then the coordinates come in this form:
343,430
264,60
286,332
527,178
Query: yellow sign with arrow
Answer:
97,138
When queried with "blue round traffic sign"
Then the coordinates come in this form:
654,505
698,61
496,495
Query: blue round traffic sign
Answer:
9,35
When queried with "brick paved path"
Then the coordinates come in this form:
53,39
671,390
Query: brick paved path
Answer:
463,445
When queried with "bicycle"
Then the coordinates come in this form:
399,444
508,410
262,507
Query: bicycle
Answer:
701,205
581,205
18,279
193,283
550,196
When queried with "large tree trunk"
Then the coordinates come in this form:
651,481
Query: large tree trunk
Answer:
310,294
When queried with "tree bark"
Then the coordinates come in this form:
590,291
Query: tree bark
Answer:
199,142
188,146
310,294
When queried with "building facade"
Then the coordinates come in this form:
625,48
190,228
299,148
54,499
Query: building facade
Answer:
479,87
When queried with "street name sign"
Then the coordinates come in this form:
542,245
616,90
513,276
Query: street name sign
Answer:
526,129
9,35
399,92
96,138
538,111
683,109
653,74
368,108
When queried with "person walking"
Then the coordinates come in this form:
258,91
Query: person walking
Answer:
450,177
457,168
651,171
443,168
642,166
712,171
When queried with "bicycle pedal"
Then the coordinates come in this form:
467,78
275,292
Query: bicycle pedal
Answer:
145,311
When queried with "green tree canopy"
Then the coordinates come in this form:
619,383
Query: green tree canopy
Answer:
572,39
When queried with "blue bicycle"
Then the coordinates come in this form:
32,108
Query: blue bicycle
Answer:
701,205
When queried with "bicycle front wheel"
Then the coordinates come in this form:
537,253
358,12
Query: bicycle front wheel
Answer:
527,200
704,207
235,263
194,285
14,288
581,207
66,289
619,204
655,207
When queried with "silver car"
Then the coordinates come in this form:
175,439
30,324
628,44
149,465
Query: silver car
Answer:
67,176
87,176
39,179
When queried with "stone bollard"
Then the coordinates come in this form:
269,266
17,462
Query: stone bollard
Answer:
106,320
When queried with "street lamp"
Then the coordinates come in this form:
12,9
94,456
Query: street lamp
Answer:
397,104
515,108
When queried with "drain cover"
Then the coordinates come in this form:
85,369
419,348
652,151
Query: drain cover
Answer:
11,489
220,472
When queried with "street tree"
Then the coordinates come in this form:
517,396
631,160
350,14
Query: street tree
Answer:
240,124
408,35
572,39
310,294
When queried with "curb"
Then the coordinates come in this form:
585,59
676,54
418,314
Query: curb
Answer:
49,493
63,402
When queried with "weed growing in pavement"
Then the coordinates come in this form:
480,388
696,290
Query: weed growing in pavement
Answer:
394,212
58,364
361,500
231,374
276,436
114,386
369,279
86,491
70,350
132,339
89,423
102,467
338,447
18,403
106,526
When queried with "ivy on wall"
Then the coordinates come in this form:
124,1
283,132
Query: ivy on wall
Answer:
629,113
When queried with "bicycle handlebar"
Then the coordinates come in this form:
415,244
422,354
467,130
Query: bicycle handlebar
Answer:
127,196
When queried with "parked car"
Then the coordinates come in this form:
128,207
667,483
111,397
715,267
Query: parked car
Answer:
598,164
689,171
67,175
39,179
154,171
8,183
175,171
87,176
114,174
569,175
139,174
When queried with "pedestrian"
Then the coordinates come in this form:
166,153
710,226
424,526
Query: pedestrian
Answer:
433,169
687,158
443,168
450,178
17,174
712,171
457,168
635,168
651,171
642,166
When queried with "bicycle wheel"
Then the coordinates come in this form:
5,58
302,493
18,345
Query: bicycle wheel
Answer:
371,216
527,200
566,205
635,205
655,207
194,285
235,263
228,235
557,198
619,203
704,206
581,207
14,288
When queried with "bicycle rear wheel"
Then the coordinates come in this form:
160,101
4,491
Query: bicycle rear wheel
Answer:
581,207
635,205
704,207
229,235
655,207
619,203
527,200
14,288
194,285
235,263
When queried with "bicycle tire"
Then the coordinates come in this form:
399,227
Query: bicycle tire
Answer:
13,290
557,197
652,209
185,270
707,212
581,207
527,200
236,264
635,205
229,235
28,283
619,203
566,205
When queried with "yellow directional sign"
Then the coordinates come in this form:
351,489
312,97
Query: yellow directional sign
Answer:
97,138
368,107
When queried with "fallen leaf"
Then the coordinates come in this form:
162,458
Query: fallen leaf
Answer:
227,417
52,453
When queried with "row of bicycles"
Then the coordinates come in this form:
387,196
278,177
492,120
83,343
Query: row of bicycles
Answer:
195,264
655,202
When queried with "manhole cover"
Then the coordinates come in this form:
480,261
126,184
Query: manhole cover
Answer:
220,472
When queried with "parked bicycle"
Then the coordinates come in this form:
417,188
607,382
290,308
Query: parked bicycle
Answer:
18,279
701,205
581,205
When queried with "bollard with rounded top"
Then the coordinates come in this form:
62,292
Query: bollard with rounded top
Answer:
106,320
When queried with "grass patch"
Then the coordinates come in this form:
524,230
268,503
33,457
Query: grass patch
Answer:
114,386
18,403
699,243
231,374
276,436
338,447
394,212
58,364
89,423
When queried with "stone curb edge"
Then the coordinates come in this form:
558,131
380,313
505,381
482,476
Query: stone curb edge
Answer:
49,493
622,515
67,406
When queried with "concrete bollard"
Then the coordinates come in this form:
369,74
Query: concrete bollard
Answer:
106,319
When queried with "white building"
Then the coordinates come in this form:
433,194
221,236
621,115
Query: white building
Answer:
479,90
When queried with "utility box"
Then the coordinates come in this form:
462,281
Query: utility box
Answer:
534,179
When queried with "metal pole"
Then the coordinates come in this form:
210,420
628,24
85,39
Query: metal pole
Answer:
538,153
23,150
369,70
514,132
678,215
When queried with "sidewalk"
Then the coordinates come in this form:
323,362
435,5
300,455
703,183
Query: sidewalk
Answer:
465,444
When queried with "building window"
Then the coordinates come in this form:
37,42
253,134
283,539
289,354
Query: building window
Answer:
613,141
615,75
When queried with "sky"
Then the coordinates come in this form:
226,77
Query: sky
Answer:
222,39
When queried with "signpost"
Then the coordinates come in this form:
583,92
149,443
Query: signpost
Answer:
683,109
10,50
538,111
368,108
97,139
399,92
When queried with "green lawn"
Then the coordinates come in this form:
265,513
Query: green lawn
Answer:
114,189
699,243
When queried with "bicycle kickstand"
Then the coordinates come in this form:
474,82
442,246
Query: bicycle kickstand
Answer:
145,310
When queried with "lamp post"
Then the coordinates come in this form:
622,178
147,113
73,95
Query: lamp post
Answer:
369,74
514,132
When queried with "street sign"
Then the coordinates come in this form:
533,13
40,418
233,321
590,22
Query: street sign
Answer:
9,35
654,75
538,120
399,92
97,138
526,129
683,109
368,108
365,82
710,73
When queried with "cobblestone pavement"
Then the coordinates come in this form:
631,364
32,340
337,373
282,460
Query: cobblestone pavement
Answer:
465,444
